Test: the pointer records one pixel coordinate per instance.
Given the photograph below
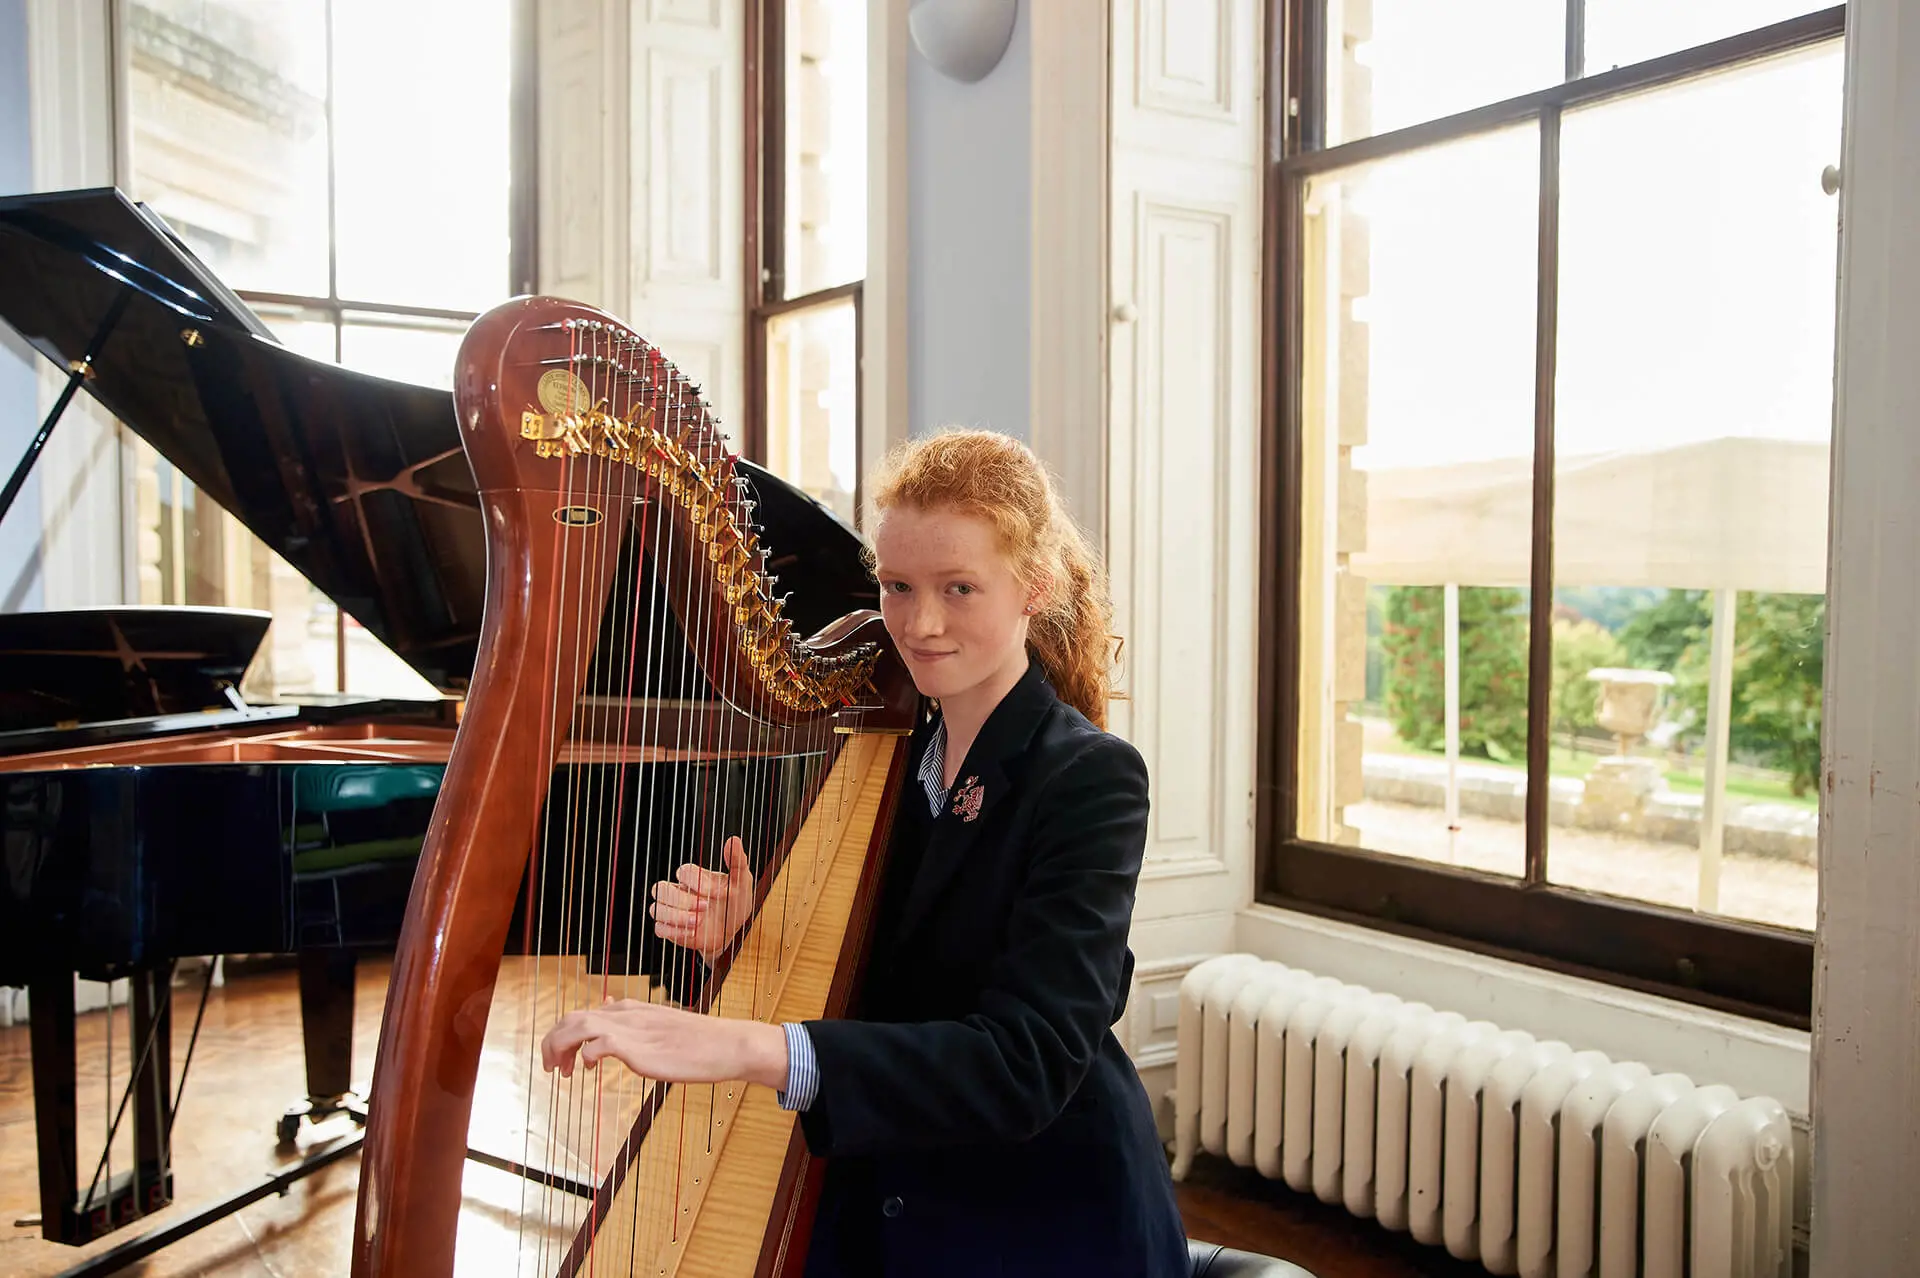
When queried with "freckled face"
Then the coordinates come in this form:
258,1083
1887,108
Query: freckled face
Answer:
951,601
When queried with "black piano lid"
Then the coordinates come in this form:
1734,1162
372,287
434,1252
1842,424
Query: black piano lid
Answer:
357,481
90,665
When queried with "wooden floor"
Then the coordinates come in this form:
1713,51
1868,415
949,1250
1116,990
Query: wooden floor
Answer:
248,1067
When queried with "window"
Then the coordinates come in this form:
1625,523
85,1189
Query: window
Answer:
348,167
1551,407
806,242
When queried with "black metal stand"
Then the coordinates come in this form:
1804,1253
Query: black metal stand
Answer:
146,1244
565,1184
77,374
136,1249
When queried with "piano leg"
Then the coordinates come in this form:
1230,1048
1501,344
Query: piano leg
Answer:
326,1026
128,1194
55,1121
326,987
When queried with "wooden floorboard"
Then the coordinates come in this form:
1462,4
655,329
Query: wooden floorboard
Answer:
1239,1207
248,1067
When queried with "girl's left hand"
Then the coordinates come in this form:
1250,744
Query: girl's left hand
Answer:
668,1044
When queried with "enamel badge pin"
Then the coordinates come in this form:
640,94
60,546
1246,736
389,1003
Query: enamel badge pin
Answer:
966,804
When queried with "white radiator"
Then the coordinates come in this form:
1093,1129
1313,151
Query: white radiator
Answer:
1527,1156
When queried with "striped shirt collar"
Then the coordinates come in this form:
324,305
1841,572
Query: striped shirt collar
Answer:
933,765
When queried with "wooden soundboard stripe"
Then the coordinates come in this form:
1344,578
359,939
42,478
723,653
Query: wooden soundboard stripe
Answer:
714,1226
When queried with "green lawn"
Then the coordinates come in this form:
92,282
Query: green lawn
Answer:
1747,788
1577,763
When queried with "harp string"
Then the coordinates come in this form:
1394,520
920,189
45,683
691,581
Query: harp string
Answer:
607,752
617,397
706,816
574,943
564,1096
625,744
580,778
603,772
643,844
729,763
660,868
609,769
571,951
621,396
774,831
704,791
537,900
755,837
699,785
743,759
675,962
640,866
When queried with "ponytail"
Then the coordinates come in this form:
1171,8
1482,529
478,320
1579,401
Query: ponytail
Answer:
1070,636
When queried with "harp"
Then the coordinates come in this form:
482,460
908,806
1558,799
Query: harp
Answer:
640,694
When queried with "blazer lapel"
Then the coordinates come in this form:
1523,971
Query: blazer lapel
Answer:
979,790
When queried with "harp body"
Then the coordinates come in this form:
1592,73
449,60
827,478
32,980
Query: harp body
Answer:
621,555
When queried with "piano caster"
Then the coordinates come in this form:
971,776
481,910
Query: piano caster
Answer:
317,1110
326,1029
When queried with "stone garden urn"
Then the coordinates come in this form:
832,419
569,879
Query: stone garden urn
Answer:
1617,789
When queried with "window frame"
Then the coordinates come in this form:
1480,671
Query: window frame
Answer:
522,194
523,203
764,243
1751,969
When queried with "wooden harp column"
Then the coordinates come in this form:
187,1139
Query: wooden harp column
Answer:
574,427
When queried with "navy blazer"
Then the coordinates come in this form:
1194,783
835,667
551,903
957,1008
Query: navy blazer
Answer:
977,1113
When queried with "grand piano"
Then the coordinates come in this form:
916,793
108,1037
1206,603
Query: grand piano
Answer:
150,812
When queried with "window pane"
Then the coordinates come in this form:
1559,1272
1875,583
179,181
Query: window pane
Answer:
375,670
422,162
229,134
308,332
1417,424
825,184
407,351
190,535
1392,63
228,118
1620,32
813,391
1694,411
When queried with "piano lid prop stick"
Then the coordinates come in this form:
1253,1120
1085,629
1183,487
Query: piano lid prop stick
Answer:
79,371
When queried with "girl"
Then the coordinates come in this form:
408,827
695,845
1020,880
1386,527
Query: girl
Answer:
979,1117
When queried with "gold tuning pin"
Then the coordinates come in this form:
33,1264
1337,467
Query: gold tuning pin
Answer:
728,554
560,430
616,434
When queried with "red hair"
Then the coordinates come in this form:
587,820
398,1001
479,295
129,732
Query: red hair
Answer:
999,480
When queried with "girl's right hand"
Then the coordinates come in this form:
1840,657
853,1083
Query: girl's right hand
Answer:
703,909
